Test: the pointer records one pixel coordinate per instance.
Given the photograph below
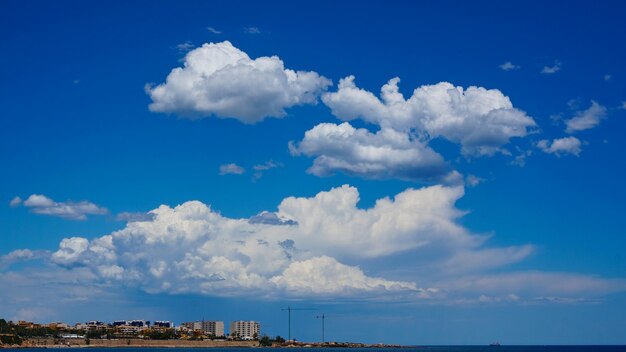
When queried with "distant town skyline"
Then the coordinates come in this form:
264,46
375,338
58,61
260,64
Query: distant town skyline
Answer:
419,173
244,329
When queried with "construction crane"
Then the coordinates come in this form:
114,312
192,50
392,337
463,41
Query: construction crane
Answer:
289,309
323,317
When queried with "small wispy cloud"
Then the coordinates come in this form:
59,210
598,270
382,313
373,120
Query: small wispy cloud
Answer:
552,69
252,30
586,119
573,104
561,146
40,204
185,47
509,66
270,164
556,119
232,169
607,77
260,168
213,30
21,255
520,159
15,202
473,180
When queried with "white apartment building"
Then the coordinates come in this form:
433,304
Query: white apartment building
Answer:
208,327
245,329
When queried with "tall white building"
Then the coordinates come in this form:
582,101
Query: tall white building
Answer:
245,329
208,327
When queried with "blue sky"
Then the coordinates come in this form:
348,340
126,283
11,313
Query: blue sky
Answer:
494,201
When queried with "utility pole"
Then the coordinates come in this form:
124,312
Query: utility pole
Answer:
323,317
289,322
289,309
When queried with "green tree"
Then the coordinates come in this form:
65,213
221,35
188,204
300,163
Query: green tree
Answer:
94,334
11,340
265,341
168,334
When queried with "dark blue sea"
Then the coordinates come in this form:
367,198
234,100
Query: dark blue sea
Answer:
404,349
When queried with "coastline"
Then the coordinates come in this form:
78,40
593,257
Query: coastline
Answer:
125,343
141,343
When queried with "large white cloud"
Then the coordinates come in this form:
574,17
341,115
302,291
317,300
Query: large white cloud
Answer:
410,247
331,222
385,154
221,80
480,120
308,247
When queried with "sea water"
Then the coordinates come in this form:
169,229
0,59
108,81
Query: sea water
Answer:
370,349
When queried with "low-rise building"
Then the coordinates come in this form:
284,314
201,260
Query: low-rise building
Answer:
136,323
27,324
94,325
161,324
59,325
129,328
72,336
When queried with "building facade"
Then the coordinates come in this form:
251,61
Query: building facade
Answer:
245,329
162,324
207,327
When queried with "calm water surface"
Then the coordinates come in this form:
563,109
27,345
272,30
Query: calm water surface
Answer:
407,349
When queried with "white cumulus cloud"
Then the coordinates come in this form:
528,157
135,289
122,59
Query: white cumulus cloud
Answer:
385,154
323,247
218,79
586,119
480,120
40,204
308,247
561,146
